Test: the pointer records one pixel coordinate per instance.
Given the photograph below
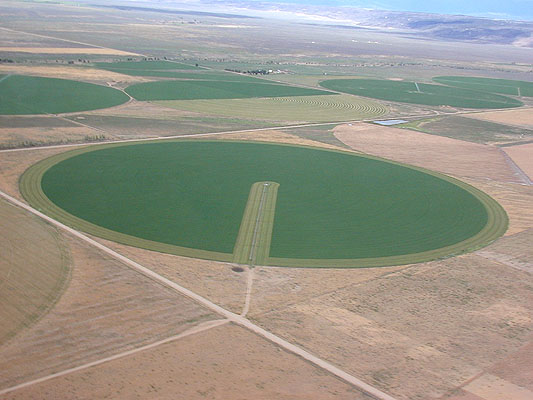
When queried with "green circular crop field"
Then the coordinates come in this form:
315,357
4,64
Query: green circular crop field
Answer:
421,93
284,205
20,95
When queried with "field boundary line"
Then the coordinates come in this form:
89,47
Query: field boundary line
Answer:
194,330
230,316
514,166
193,135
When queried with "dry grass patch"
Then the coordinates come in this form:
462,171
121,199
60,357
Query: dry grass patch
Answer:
34,269
210,279
24,137
522,117
226,362
442,154
107,308
75,73
419,332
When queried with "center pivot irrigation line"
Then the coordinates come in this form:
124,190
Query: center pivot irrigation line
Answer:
235,318
417,88
251,259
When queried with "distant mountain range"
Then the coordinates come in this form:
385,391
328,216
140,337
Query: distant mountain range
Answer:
430,26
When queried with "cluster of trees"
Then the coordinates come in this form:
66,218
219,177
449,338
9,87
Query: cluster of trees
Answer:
6,60
251,72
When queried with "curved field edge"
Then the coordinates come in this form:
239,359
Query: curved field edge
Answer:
31,190
35,95
40,276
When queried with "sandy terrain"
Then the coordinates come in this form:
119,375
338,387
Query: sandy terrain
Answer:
521,117
226,362
71,72
450,156
107,308
522,155
66,50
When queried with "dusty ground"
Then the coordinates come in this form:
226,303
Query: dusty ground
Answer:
226,362
416,333
70,72
522,155
107,308
32,277
450,156
520,117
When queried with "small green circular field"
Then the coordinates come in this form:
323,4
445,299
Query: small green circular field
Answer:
420,93
314,207
20,95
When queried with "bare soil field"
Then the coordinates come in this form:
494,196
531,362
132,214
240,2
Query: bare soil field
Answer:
226,362
66,50
107,308
521,117
522,155
70,72
32,278
450,156
417,333
211,279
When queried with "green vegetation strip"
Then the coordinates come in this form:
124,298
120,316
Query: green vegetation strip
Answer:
333,208
296,108
420,93
206,89
35,95
255,234
503,86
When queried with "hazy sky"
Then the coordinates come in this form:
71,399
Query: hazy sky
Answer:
505,9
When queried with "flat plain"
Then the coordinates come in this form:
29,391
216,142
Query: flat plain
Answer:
459,328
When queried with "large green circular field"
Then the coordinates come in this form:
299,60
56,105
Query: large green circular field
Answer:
20,94
420,93
197,198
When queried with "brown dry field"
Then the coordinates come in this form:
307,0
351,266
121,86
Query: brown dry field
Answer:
226,362
67,50
420,331
17,137
522,117
32,277
70,72
450,156
106,309
522,155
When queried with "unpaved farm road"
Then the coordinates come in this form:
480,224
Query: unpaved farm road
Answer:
229,316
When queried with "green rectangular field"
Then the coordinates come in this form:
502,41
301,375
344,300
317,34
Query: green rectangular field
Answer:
205,89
